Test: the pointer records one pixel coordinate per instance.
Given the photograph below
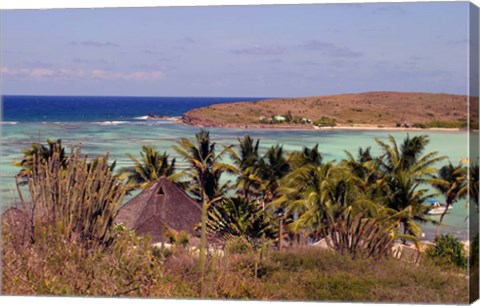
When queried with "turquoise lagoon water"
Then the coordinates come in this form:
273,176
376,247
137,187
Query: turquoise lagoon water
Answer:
122,137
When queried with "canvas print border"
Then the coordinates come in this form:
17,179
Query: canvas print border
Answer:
217,241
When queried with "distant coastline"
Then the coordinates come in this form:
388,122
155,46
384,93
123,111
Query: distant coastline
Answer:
364,111
299,127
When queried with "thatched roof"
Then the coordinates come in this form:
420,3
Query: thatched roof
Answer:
162,205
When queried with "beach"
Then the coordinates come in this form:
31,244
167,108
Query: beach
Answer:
356,127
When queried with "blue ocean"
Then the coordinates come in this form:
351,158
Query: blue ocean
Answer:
97,109
118,125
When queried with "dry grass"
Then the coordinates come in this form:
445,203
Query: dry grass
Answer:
56,265
374,108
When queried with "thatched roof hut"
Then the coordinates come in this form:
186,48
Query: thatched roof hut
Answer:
162,205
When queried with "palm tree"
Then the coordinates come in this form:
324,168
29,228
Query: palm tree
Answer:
38,153
150,167
205,172
246,161
408,157
272,168
451,182
205,168
307,156
404,168
365,168
317,193
42,153
408,199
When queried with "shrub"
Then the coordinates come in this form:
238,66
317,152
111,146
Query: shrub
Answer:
325,121
171,237
447,250
160,253
183,239
420,125
442,124
58,265
238,245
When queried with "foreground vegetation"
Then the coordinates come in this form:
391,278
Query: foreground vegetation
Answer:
130,267
64,239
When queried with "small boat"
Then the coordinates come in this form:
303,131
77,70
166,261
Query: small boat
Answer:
437,208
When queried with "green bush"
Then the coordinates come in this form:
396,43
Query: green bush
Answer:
447,250
441,124
325,121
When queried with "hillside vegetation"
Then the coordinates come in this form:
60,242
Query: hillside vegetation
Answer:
374,108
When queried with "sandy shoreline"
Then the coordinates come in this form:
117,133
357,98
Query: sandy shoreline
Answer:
355,127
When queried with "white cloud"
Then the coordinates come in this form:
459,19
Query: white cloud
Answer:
93,43
43,74
330,49
134,76
259,50
71,72
33,73
39,72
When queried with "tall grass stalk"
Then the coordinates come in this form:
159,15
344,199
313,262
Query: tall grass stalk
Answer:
84,196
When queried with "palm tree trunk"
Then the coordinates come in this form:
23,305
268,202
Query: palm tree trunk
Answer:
246,192
203,244
441,217
405,231
280,233
18,189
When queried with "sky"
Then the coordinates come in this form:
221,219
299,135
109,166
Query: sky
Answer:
239,51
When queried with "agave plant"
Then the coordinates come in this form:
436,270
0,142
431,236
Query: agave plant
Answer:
356,235
83,198
238,217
